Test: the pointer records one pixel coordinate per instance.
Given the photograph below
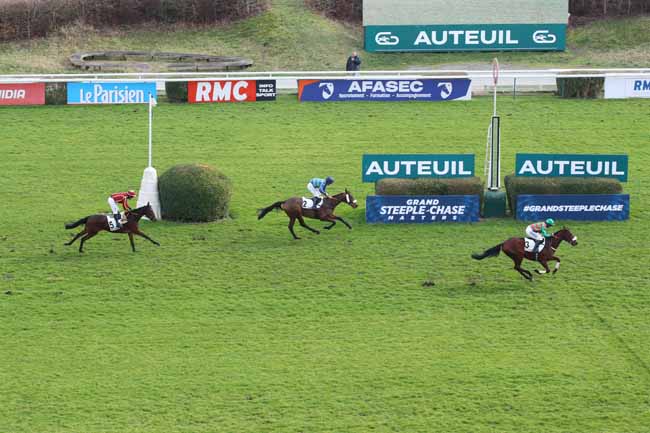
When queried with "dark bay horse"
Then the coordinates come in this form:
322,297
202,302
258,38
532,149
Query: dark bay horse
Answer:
294,210
96,223
514,248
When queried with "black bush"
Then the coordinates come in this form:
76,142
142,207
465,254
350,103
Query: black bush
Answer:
580,87
176,91
194,193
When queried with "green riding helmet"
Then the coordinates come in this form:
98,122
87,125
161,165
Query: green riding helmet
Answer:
550,222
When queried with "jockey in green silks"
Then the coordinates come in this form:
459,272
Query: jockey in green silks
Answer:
537,232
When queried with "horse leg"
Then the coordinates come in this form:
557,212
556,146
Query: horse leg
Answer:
329,227
132,243
524,272
544,263
344,222
557,265
80,234
302,222
139,233
292,221
84,239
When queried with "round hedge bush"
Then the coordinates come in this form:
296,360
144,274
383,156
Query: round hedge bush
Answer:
194,193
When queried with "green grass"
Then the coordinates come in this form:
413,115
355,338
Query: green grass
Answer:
291,37
234,327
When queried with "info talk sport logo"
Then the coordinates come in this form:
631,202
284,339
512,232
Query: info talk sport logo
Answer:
541,37
371,86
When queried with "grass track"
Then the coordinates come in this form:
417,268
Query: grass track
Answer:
233,326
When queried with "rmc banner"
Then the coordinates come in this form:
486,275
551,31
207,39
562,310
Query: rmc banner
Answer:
553,165
399,209
111,93
590,207
377,167
231,91
384,90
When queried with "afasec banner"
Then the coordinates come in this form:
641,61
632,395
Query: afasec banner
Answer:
551,165
231,91
596,207
111,93
384,90
22,94
377,167
627,87
399,209
466,37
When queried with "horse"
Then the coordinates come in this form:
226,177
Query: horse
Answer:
98,222
514,248
294,210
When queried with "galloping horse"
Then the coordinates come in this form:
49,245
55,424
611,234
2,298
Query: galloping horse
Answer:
514,248
294,210
97,223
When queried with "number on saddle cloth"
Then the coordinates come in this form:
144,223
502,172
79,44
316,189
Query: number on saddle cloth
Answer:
530,243
112,224
308,203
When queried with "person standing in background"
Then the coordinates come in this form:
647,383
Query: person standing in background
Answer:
353,63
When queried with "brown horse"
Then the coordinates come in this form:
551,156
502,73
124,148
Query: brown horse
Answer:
294,210
514,248
96,223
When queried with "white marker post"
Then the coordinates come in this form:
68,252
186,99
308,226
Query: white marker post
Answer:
149,186
494,138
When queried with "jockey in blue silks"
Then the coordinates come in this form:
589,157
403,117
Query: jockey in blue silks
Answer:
318,188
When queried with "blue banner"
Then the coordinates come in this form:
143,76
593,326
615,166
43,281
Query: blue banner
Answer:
400,209
590,207
377,167
566,165
384,90
111,93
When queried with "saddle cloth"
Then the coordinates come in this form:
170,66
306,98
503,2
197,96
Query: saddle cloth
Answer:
112,224
308,203
530,243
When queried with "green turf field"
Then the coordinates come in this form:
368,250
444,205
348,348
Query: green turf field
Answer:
235,327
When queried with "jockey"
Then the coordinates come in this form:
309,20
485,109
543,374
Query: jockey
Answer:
318,188
123,199
537,232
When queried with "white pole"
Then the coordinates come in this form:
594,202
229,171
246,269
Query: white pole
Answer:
150,121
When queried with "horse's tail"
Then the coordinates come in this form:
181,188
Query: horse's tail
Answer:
262,212
492,252
78,223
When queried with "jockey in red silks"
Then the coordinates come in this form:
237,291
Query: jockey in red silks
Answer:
123,199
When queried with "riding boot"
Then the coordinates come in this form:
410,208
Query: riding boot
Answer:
316,202
537,244
118,220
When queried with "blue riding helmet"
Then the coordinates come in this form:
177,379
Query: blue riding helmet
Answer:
329,180
550,222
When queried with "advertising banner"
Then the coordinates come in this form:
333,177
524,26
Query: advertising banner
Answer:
466,37
590,207
231,91
384,90
22,94
397,209
111,93
377,167
627,87
560,165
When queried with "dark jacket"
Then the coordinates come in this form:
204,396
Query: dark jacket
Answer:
353,64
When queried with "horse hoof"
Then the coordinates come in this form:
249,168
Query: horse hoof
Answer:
317,232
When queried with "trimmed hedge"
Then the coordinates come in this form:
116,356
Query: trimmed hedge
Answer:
56,93
194,193
517,185
580,87
429,186
176,91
